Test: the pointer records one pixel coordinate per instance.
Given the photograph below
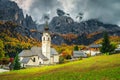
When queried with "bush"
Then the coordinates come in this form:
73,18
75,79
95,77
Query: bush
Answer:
80,58
61,59
4,61
68,57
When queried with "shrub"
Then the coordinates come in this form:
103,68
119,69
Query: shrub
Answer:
61,59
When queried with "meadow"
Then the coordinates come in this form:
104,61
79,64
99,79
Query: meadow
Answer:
104,67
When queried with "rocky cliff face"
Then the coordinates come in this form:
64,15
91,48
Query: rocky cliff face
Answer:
64,25
63,28
66,30
9,11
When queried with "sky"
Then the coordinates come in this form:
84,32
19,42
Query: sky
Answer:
107,11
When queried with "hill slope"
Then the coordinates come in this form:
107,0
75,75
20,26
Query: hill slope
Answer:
94,68
14,42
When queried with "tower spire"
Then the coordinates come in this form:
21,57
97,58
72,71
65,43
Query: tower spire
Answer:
46,28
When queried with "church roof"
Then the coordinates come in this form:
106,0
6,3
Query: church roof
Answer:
53,51
36,51
42,57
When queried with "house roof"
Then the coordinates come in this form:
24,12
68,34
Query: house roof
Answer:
25,60
25,53
77,54
95,46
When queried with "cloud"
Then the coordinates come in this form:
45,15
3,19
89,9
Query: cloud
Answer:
105,10
24,4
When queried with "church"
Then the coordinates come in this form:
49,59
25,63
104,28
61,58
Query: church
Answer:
44,55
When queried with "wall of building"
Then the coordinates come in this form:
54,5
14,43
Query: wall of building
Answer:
56,58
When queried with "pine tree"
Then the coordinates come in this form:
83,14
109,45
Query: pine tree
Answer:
16,63
107,47
76,48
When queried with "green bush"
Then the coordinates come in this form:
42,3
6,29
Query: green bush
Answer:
61,59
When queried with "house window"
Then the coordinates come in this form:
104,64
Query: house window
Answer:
33,59
39,62
44,38
48,38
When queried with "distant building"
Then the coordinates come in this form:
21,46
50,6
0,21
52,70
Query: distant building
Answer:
78,54
93,49
118,48
40,55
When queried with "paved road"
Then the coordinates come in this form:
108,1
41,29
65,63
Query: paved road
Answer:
3,70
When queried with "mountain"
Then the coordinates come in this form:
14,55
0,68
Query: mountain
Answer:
65,30
9,11
13,40
15,29
64,25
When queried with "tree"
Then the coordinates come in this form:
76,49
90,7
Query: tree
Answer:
2,52
76,48
16,63
107,47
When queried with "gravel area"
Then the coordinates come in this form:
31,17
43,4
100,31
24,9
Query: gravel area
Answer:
3,70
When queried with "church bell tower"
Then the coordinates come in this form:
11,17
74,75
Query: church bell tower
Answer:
46,42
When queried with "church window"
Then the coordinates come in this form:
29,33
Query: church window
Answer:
33,59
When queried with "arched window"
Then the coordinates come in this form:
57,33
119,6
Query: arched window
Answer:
33,59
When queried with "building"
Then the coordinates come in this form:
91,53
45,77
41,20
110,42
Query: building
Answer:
44,55
118,48
78,54
93,49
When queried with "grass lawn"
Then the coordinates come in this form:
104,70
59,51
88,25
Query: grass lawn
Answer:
105,67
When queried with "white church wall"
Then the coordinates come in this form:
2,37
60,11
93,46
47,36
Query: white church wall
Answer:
51,60
56,58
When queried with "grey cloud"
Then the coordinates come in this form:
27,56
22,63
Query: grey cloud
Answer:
105,10
41,7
